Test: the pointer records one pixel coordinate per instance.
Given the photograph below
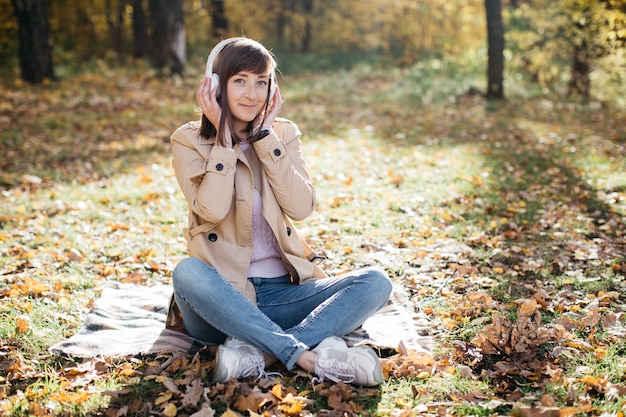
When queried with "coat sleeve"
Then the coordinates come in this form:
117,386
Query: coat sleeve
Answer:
206,179
281,156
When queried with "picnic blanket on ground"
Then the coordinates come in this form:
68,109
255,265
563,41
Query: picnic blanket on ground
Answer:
129,320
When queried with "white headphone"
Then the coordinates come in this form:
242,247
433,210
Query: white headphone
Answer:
215,79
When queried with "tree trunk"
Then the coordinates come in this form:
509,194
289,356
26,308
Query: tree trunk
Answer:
158,20
495,39
580,83
219,19
177,39
115,23
35,50
140,30
168,35
85,33
281,21
308,18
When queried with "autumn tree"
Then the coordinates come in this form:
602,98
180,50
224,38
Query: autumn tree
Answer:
495,36
546,34
595,29
168,35
35,50
307,37
140,29
115,24
218,18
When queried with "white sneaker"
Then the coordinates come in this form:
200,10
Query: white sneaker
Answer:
237,359
337,362
331,342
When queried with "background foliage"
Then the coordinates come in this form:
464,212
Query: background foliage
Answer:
544,38
504,221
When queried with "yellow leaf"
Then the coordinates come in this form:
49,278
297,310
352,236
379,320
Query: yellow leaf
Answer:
170,410
423,375
127,371
163,398
107,270
37,410
277,390
22,325
118,226
568,411
289,399
291,408
70,398
451,324
450,370
498,270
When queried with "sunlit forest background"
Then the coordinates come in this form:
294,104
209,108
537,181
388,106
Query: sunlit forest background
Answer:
473,149
572,47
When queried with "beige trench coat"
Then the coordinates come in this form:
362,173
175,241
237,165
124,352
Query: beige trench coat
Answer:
218,185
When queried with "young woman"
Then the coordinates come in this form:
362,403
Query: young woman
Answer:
250,284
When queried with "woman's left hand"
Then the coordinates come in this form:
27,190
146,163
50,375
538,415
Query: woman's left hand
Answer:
274,109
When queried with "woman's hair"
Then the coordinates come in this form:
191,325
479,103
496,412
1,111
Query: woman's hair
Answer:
240,55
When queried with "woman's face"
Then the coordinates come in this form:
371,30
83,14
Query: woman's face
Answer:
247,93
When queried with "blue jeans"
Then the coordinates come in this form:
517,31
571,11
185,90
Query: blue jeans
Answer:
288,319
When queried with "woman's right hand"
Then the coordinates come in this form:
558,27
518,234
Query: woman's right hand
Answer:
207,99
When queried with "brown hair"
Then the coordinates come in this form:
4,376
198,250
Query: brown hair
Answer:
241,55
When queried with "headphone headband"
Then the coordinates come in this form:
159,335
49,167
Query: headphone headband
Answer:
214,76
216,50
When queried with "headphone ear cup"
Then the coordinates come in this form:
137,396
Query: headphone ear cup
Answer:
215,79
215,83
273,85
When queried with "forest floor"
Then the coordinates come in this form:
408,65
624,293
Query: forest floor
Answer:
503,221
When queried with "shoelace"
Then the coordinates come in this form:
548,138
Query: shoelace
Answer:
269,375
335,371
251,367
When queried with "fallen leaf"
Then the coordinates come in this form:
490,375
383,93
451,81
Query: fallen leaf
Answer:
22,326
205,412
248,402
170,410
193,394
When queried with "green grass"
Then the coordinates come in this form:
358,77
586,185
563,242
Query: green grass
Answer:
450,194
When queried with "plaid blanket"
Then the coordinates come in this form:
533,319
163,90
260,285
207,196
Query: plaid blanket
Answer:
129,320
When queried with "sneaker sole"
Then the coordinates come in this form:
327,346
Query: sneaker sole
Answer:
219,375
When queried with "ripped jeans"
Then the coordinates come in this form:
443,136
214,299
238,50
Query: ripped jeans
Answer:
288,318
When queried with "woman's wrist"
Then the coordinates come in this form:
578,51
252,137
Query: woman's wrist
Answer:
264,132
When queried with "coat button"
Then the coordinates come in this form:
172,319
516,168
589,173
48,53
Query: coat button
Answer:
219,167
212,237
288,231
277,152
